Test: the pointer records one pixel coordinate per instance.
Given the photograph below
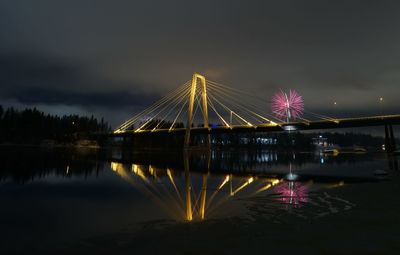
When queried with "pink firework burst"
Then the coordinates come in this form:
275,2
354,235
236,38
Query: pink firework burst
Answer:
289,106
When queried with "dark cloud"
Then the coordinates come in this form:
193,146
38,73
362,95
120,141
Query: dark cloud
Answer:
113,100
18,70
31,80
92,53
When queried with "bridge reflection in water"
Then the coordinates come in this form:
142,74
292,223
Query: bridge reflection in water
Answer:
196,194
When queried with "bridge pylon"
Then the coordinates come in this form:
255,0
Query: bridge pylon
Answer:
195,78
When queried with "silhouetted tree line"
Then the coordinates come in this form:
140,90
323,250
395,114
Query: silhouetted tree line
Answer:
34,126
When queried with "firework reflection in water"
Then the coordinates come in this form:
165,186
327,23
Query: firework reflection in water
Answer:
293,193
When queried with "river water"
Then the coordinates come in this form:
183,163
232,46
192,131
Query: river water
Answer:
85,201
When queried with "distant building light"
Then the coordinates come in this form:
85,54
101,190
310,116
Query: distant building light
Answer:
289,128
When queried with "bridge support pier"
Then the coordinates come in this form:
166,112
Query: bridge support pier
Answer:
390,140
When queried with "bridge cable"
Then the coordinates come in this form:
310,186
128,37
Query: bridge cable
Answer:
153,107
231,95
179,113
224,98
162,110
231,111
168,102
245,107
215,110
181,98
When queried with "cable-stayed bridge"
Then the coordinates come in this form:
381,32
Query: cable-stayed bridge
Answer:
201,106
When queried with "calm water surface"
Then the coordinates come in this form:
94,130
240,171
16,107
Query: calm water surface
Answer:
216,202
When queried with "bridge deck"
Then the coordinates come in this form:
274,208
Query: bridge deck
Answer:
298,126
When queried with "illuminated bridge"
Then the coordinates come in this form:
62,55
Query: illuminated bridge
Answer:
204,107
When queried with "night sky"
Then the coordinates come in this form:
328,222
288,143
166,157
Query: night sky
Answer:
111,58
